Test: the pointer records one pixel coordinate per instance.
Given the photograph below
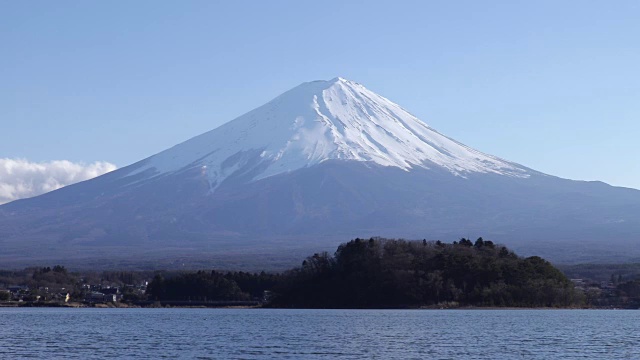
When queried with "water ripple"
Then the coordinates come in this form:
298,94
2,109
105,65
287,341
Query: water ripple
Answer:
317,334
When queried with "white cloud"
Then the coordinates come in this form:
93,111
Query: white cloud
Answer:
21,178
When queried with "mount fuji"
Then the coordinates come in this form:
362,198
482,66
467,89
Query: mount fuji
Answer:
322,163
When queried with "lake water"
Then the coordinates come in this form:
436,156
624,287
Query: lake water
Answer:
53,333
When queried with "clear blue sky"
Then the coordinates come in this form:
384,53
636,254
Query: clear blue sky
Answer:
553,85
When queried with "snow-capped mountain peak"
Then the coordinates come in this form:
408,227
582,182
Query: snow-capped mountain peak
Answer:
323,162
318,121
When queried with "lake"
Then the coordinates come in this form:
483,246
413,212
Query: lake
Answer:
62,333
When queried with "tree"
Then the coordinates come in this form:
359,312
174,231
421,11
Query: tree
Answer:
479,243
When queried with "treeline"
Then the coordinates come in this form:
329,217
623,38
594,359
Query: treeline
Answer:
617,273
371,273
383,273
211,286
607,285
35,277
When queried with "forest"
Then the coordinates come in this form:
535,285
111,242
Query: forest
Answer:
362,273
385,273
382,273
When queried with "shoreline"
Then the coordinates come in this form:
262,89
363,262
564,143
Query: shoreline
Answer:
76,305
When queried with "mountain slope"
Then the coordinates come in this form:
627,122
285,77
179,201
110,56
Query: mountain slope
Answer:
322,163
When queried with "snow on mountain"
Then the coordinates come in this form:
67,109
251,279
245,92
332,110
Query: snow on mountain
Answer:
319,121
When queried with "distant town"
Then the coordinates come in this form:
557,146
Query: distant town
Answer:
57,287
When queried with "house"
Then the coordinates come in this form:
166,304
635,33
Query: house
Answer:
18,289
110,290
99,297
62,296
94,296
